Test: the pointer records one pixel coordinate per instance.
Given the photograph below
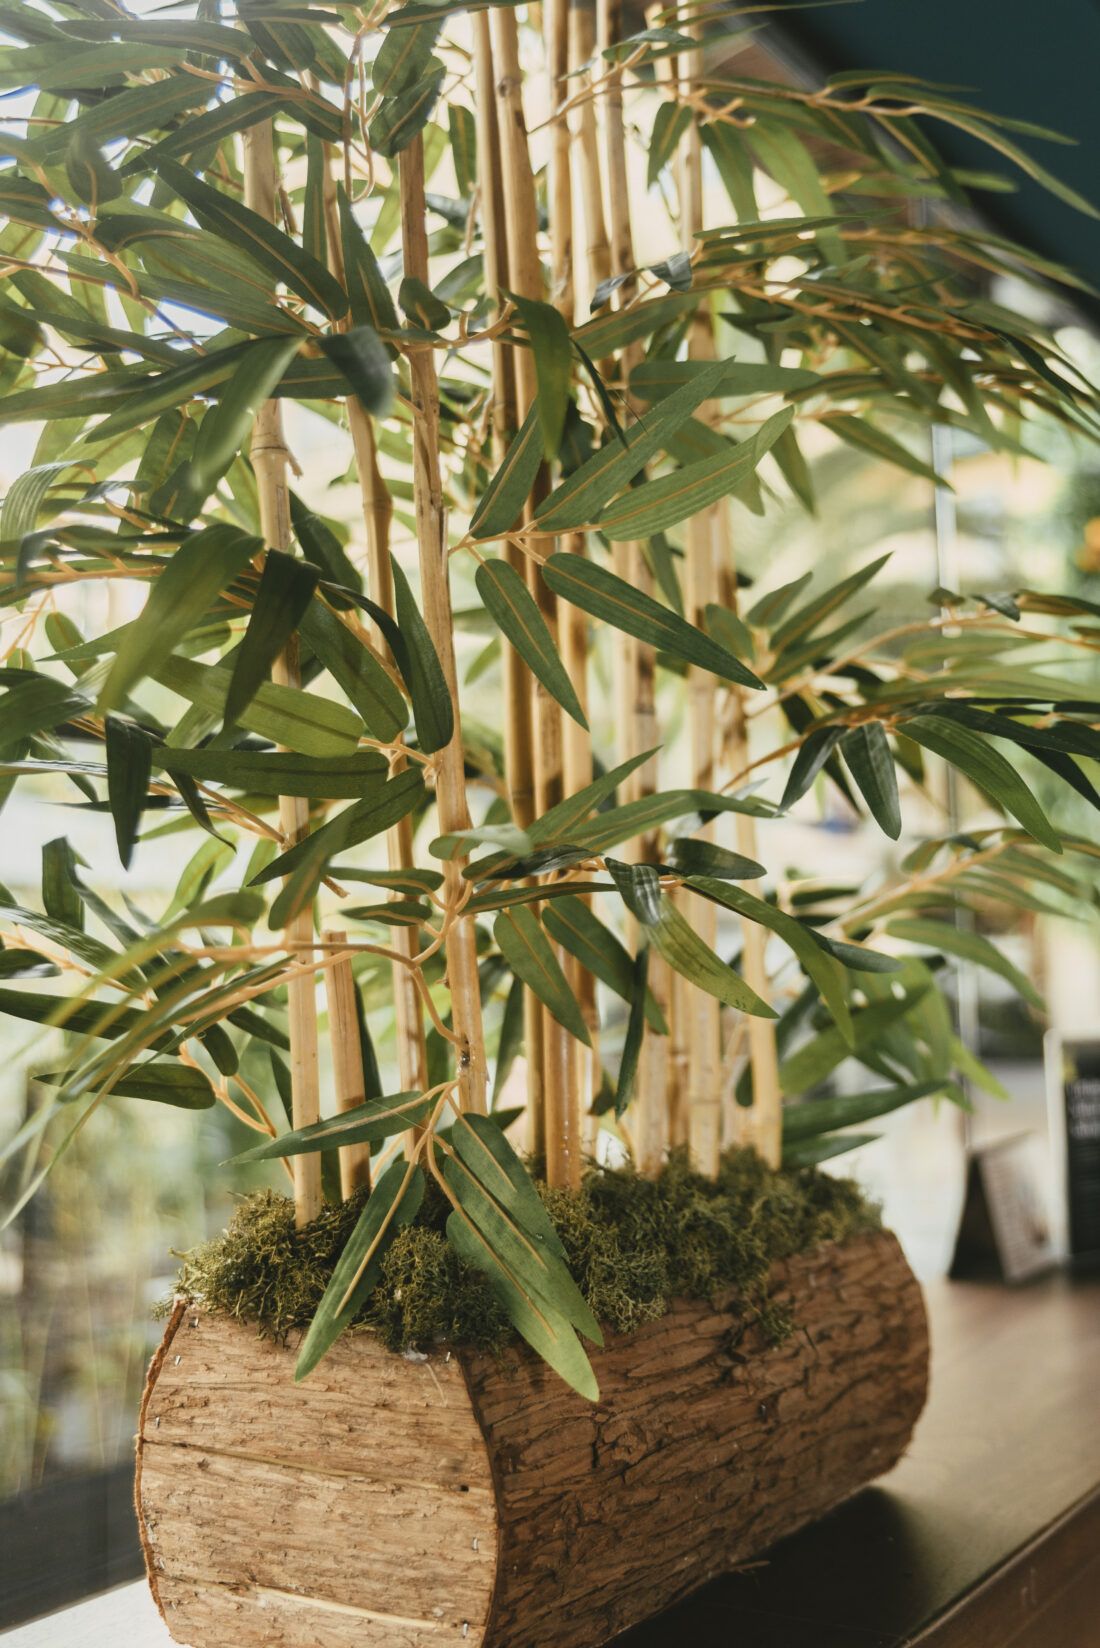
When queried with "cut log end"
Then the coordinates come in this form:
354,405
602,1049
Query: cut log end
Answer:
467,1498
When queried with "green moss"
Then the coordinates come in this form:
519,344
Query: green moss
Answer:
632,1243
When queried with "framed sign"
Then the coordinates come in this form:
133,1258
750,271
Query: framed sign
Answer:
1005,1229
1073,1093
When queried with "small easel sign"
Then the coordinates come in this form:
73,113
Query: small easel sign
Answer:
1005,1227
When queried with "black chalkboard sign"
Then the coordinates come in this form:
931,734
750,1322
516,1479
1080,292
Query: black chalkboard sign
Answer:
1080,1127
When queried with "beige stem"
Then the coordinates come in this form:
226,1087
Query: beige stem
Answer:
270,462
412,1056
760,1126
454,813
561,1092
347,1062
704,1103
519,739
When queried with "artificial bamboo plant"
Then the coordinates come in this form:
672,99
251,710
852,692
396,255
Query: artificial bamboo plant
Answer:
561,293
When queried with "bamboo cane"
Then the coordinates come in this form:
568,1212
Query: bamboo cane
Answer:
561,1094
760,1126
412,1054
703,1020
347,1061
454,813
635,663
269,456
519,739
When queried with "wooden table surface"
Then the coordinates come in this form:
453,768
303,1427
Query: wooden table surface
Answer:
987,1535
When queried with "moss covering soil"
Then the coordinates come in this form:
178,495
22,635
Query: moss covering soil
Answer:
633,1244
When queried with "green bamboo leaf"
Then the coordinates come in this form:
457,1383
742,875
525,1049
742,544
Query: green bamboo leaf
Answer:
266,245
92,177
580,498
371,303
815,751
421,305
302,721
371,1123
129,764
487,1182
545,1330
969,946
402,117
606,334
688,955
635,1033
24,964
510,487
806,618
816,1116
354,667
403,55
528,952
284,592
101,1019
598,591
513,609
35,703
825,972
858,432
653,379
363,359
856,957
321,546
634,818
657,505
549,338
181,1085
433,711
181,595
387,804
808,1152
228,425
511,1038
866,751
394,1202
558,821
462,130
60,883
707,858
820,1056
669,125
570,923
986,768
255,772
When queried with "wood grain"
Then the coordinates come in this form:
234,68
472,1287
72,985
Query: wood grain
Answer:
476,1499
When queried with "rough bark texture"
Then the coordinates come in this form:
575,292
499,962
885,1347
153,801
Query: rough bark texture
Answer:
474,1499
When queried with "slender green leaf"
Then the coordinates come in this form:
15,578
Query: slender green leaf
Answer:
320,777
370,1123
635,1033
433,711
530,955
394,1202
285,591
129,764
549,338
510,487
303,721
968,946
867,753
199,569
986,768
598,591
570,923
513,609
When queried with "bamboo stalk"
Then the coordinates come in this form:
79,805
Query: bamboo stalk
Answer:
454,813
761,1126
635,663
560,186
582,46
519,740
703,1096
270,460
562,1127
347,1062
412,1054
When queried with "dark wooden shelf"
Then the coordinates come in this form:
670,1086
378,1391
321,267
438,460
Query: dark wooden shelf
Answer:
987,1535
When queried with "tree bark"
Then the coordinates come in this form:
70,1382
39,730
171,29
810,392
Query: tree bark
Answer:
465,1498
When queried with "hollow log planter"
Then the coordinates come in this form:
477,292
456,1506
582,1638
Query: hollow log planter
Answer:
410,1502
